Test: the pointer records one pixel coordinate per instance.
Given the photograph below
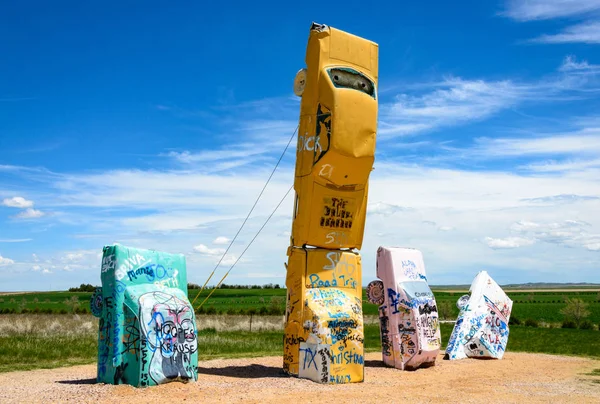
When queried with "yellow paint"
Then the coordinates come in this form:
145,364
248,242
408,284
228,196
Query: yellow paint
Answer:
324,333
336,141
324,306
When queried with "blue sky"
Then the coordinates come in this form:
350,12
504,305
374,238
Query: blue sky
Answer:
156,127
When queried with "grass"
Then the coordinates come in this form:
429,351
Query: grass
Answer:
543,306
29,341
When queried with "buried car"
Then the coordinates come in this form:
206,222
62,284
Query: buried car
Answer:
408,314
481,330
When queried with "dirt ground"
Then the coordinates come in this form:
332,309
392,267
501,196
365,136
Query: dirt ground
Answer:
517,378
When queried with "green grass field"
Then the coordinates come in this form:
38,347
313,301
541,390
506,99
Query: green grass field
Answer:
542,306
29,341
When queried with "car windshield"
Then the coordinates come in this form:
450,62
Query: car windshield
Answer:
416,289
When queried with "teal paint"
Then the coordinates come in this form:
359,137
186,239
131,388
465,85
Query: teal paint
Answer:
147,329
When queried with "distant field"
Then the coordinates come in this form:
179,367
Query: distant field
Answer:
542,305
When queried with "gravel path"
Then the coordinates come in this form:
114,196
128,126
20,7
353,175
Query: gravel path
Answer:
518,378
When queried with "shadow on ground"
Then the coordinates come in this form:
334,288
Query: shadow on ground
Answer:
375,364
244,372
79,381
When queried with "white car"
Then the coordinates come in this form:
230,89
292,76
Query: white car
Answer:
408,314
481,330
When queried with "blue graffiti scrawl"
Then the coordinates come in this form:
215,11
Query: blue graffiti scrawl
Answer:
147,329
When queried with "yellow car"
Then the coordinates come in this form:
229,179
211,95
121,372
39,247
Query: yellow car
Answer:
336,139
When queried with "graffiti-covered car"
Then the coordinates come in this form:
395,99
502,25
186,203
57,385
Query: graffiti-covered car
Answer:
324,338
481,329
408,314
147,329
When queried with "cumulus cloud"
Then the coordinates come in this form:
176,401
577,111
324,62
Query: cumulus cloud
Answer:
568,233
385,209
509,242
221,240
205,250
17,202
593,246
29,213
5,261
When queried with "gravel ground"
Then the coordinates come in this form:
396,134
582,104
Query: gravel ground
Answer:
518,378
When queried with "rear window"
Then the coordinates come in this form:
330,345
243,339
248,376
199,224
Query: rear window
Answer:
350,78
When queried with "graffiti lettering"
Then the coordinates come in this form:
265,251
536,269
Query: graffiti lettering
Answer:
347,357
337,213
170,332
341,237
308,356
326,170
384,323
140,271
428,308
293,340
108,263
324,368
340,379
130,263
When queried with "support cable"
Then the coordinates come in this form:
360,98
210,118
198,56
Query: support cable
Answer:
249,213
248,246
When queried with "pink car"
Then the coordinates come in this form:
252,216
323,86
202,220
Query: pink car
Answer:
408,315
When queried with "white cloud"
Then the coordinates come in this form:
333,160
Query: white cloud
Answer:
451,101
29,213
46,271
262,140
587,32
36,268
5,261
560,199
17,202
221,240
15,240
445,228
551,166
548,9
230,259
584,142
73,257
385,209
569,233
203,249
456,101
570,64
509,242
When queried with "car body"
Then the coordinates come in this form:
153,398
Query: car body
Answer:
408,314
481,329
147,328
324,338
